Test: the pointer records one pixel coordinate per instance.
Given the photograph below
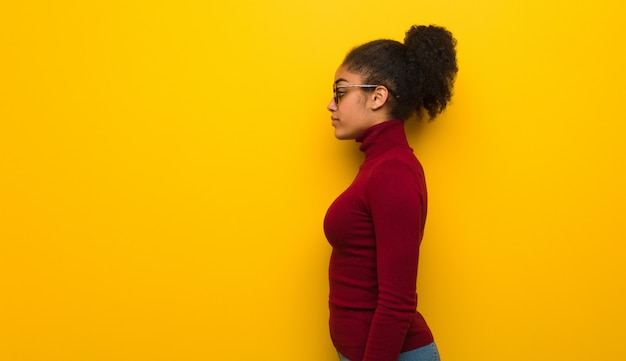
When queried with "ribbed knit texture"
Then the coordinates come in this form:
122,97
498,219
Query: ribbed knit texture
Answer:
375,228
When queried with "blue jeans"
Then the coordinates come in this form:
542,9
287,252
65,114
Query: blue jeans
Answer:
425,353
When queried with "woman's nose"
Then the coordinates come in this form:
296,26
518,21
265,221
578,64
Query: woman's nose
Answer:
332,106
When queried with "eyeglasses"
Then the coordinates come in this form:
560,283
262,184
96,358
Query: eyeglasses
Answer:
338,94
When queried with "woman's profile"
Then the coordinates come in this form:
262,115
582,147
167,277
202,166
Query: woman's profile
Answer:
376,225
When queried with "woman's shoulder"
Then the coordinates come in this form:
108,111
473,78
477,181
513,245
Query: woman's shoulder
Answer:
398,160
397,170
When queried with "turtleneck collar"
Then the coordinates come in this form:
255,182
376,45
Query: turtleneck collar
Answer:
381,137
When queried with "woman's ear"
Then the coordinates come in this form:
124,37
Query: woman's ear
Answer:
379,97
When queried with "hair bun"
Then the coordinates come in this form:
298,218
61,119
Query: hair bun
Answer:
431,40
431,56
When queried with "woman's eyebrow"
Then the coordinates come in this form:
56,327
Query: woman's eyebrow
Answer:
340,80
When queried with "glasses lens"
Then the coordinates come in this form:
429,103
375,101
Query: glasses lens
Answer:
335,96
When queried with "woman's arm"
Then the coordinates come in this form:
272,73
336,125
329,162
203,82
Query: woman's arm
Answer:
397,199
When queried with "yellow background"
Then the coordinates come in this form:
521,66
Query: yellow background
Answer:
165,167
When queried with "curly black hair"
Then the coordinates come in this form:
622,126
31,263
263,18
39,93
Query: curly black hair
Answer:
419,74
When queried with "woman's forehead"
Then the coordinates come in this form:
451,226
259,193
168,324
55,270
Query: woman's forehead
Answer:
344,75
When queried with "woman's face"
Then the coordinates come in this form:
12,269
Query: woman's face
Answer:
352,115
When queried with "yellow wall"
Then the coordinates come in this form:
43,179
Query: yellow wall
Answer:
165,167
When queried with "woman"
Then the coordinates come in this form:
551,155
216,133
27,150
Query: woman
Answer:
375,227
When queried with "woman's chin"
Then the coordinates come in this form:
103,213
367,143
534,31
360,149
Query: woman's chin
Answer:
342,135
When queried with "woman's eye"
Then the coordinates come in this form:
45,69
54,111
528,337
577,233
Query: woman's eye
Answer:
341,94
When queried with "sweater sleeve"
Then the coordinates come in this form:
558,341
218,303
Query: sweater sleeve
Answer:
396,195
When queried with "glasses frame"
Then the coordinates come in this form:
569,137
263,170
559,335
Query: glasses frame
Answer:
336,96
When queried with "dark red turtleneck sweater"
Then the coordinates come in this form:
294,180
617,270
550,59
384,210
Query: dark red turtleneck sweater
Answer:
375,228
